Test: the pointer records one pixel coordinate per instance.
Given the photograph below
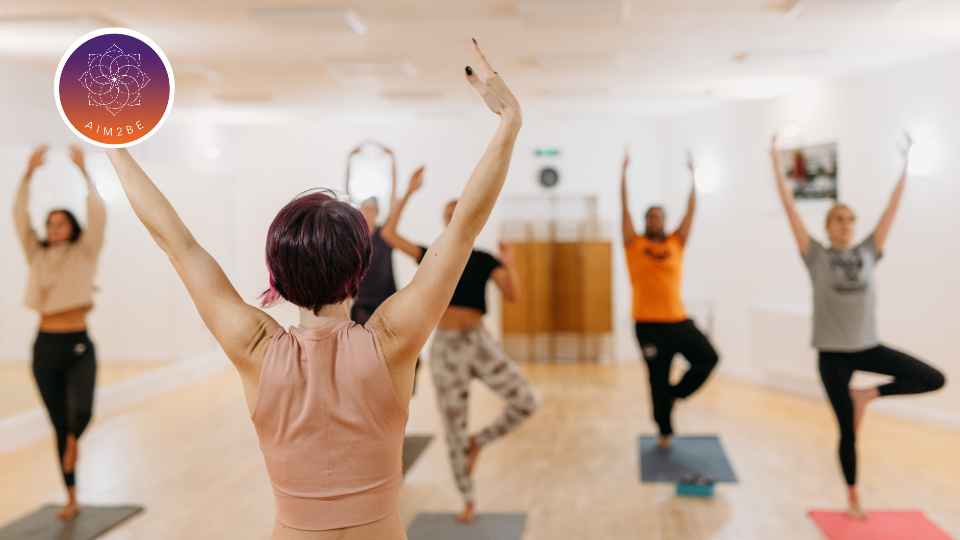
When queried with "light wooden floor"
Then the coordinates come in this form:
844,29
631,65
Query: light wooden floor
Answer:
191,458
20,391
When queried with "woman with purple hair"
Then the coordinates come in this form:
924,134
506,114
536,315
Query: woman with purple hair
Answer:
329,398
60,289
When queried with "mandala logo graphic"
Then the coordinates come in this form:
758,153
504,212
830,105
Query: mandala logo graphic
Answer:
114,87
114,80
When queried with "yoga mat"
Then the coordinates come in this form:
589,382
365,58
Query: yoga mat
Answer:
908,525
701,455
90,523
413,447
435,526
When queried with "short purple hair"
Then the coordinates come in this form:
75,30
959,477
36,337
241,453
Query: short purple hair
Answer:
318,250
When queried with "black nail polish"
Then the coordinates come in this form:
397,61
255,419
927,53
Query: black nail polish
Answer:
474,41
469,70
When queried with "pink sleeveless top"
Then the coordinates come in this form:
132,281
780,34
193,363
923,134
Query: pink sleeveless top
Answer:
330,426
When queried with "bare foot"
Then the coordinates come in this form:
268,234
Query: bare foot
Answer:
854,510
467,515
473,452
861,398
69,512
70,454
665,441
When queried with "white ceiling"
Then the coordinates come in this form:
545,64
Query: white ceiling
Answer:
290,52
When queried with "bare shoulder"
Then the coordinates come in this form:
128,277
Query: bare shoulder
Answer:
395,347
261,331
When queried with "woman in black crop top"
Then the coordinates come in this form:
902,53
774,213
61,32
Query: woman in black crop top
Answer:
463,350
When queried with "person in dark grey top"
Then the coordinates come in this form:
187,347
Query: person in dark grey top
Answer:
379,282
844,318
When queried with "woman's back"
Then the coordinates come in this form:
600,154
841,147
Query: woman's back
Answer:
326,407
330,426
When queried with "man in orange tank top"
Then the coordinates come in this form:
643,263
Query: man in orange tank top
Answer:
655,263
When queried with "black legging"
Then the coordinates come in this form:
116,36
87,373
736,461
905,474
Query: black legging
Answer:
910,376
659,343
65,369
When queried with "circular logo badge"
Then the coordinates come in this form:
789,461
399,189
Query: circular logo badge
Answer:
114,87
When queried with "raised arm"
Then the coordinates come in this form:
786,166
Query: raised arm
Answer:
240,329
21,203
389,230
789,205
346,178
393,174
407,318
683,231
506,277
626,221
92,238
882,231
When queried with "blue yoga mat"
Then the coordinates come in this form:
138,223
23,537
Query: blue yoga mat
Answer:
431,526
703,455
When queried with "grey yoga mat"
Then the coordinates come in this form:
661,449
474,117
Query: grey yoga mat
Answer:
90,523
702,455
437,526
413,447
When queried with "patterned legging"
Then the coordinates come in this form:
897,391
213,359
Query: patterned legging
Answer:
458,357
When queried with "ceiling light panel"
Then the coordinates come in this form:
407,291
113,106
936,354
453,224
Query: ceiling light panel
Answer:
321,19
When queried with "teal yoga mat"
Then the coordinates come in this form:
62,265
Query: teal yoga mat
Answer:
701,455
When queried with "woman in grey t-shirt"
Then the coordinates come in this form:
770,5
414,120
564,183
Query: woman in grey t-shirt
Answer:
844,318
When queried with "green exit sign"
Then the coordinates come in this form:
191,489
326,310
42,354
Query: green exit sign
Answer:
546,152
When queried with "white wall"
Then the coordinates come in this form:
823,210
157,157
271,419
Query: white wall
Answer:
449,145
228,174
742,256
142,313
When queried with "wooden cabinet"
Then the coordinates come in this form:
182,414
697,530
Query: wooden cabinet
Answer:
567,294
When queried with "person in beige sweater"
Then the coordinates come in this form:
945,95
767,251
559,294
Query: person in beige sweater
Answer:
60,289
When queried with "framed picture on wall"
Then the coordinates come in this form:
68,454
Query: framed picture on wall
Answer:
811,171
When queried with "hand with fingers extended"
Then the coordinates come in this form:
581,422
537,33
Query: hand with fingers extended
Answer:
416,180
493,90
77,157
387,150
775,147
37,158
506,253
906,146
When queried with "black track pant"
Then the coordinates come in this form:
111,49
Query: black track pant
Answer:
659,343
910,376
65,369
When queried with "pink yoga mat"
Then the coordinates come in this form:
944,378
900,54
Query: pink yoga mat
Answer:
912,525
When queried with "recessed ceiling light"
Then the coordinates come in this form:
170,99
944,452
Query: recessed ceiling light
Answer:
317,17
43,35
344,70
244,97
412,95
